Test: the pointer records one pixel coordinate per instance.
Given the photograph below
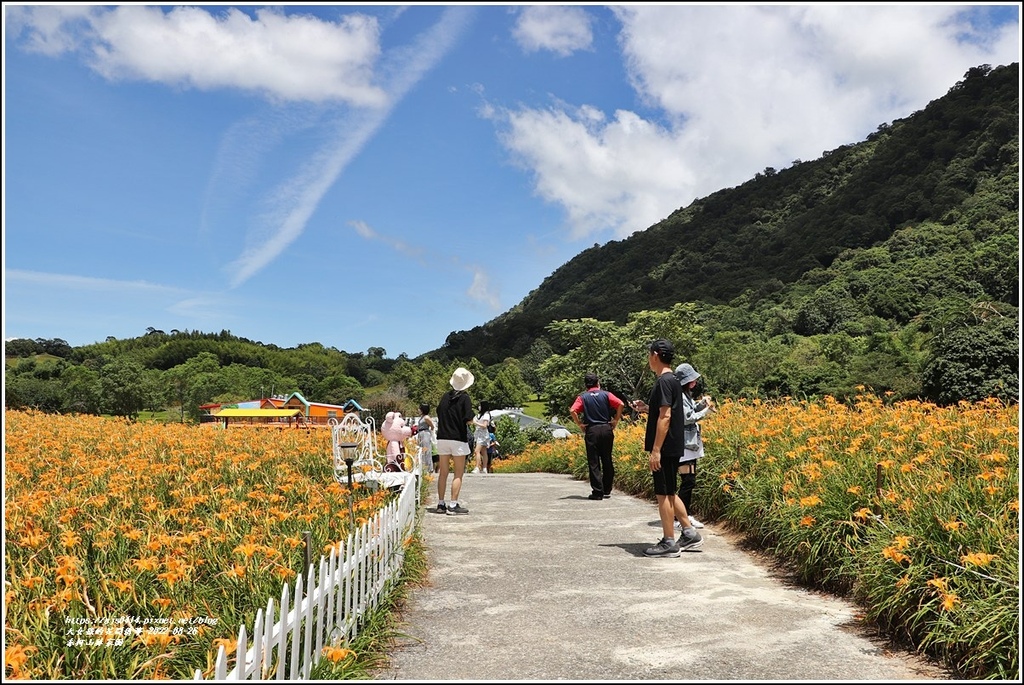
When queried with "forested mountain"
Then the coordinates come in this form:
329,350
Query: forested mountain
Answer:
918,223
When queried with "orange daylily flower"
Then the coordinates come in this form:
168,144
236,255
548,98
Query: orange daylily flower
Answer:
977,559
336,654
15,658
892,553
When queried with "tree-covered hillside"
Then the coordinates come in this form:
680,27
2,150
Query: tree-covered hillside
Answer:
918,224
176,373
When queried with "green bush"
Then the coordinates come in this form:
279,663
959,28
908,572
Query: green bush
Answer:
511,438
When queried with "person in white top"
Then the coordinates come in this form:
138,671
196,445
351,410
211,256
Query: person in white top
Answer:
425,438
482,436
694,409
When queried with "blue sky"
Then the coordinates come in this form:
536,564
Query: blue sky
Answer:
382,175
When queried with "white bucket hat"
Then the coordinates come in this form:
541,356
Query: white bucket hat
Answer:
461,379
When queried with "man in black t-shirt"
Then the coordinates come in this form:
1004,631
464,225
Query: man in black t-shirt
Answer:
664,440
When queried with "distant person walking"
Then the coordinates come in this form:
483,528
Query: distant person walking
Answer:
694,410
664,440
454,416
425,438
597,412
482,436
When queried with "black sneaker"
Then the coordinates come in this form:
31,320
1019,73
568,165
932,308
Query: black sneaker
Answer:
457,509
440,508
690,541
595,495
666,548
607,495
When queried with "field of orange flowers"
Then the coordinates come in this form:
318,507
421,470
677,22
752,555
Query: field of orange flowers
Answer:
911,509
134,550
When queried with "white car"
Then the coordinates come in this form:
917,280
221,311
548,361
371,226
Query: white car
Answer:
525,421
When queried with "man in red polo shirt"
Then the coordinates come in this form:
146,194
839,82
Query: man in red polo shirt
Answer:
597,412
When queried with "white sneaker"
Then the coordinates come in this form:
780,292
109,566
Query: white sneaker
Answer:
485,471
693,522
476,470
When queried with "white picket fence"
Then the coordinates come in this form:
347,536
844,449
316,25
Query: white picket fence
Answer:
288,639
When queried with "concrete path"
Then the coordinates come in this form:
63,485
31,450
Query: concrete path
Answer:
538,582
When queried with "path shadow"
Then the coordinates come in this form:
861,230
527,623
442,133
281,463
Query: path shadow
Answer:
634,548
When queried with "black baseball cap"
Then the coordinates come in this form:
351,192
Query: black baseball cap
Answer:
664,349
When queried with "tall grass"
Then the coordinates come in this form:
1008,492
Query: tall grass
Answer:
910,509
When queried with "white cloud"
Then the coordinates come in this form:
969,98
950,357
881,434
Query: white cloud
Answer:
607,175
558,28
363,229
737,89
481,290
85,283
202,308
51,30
283,57
400,246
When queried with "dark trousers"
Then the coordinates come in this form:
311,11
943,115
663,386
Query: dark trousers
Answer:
687,481
599,439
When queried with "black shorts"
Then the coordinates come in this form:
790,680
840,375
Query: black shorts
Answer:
665,482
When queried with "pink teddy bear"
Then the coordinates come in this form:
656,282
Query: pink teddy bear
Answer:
395,432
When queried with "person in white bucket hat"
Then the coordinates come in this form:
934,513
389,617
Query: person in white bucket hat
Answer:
454,416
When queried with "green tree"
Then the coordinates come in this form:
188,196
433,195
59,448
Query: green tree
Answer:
739,363
123,388
81,390
975,362
27,391
827,310
424,382
22,347
508,389
338,388
540,350
243,382
193,383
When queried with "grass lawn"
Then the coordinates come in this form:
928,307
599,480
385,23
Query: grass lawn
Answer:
535,409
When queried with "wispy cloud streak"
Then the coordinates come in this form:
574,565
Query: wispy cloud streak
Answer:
293,202
89,283
480,289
